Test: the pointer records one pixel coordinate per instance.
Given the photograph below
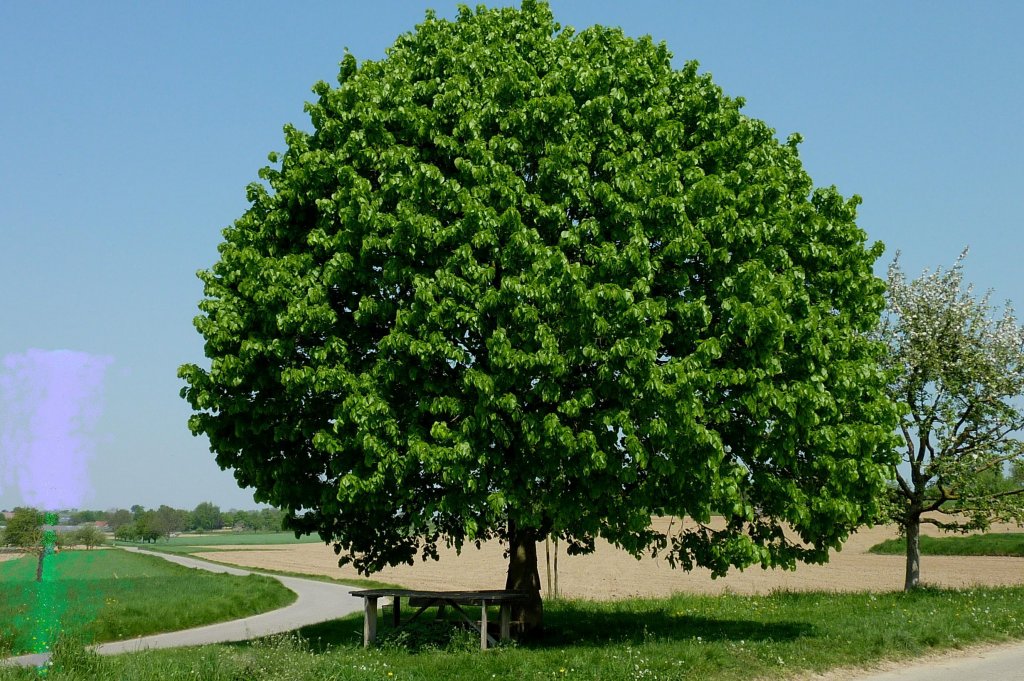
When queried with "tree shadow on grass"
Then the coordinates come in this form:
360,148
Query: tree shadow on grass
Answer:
565,625
576,626
347,631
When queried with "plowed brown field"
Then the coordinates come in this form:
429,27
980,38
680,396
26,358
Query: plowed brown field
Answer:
610,573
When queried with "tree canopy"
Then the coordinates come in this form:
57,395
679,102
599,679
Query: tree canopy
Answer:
24,528
520,280
204,517
958,367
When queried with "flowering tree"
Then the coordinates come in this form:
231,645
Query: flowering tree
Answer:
958,368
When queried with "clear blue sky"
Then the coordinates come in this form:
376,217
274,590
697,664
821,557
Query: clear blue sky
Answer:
129,132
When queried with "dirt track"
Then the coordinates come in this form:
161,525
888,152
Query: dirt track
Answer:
611,573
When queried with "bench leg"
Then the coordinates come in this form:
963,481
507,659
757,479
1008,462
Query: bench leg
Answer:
396,611
369,620
483,626
506,621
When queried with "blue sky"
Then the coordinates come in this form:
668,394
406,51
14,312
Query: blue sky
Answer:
129,132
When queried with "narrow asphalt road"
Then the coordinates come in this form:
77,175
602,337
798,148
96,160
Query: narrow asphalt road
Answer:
1005,663
317,602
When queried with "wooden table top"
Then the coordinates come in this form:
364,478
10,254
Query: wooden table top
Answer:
494,596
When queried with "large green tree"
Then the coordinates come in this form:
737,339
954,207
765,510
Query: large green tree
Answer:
205,516
958,367
171,520
89,536
25,529
119,517
520,281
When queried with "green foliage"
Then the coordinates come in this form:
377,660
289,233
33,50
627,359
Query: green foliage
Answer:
205,517
171,520
126,533
725,638
145,528
89,536
82,517
148,526
24,528
520,276
264,520
118,518
1003,544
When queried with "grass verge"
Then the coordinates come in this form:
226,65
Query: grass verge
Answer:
728,638
1002,544
227,539
240,539
110,595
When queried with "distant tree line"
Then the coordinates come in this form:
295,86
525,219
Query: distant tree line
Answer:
24,528
149,525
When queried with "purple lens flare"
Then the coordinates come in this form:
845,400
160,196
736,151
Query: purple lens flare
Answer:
50,402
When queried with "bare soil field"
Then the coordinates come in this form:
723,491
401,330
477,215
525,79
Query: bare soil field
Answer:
9,556
611,573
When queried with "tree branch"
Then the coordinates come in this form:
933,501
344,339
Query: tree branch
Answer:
942,525
998,461
937,504
1008,493
909,440
903,485
961,437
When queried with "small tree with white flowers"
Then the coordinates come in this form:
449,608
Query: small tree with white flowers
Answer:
958,367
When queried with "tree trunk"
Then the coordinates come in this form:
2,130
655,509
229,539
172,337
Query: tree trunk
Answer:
39,565
913,530
523,576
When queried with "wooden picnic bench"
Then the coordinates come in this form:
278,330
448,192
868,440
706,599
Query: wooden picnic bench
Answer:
441,599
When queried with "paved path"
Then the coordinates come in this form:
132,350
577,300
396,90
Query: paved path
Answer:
317,602
1005,663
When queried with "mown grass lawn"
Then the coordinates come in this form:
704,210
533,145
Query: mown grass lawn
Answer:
106,595
202,542
683,637
1001,544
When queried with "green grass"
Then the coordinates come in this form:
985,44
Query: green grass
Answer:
1002,544
202,542
109,595
729,638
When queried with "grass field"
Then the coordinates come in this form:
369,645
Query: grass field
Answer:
109,595
202,542
730,638
1002,544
